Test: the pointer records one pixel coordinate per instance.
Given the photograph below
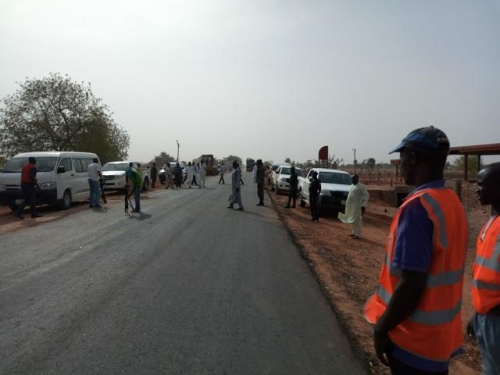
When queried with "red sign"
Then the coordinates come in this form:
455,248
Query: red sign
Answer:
323,153
396,161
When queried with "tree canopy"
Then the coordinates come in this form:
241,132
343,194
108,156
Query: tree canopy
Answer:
56,113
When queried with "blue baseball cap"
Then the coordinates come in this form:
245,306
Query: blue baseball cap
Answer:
428,139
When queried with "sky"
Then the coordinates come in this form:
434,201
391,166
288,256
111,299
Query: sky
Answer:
268,79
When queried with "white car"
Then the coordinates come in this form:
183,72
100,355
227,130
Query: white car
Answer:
335,187
113,175
281,178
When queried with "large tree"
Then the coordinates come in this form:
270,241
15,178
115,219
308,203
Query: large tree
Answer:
56,113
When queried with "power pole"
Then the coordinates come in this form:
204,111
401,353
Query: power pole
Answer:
178,145
355,161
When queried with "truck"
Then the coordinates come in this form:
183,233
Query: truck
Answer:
249,164
335,187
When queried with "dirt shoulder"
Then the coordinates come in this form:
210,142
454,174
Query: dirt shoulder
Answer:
347,270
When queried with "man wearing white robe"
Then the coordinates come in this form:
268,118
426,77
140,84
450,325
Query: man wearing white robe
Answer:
356,203
189,174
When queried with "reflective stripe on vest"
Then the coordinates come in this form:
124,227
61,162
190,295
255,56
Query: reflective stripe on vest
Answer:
486,279
433,330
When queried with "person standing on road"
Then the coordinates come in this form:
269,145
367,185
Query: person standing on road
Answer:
169,183
355,207
416,308
178,175
294,186
222,170
485,324
28,185
189,175
235,196
203,174
94,177
260,177
314,190
134,177
196,178
154,173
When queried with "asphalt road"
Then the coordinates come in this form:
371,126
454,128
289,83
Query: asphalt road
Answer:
187,287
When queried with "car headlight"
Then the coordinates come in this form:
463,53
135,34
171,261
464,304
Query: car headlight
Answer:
47,186
325,192
2,187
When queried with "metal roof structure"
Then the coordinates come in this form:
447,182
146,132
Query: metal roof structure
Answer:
479,150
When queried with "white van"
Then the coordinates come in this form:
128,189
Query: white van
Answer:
62,178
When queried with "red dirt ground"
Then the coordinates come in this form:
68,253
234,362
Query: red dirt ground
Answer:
348,270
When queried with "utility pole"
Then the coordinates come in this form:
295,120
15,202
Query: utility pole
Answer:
355,161
178,145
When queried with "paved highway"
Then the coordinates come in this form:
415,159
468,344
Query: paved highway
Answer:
187,287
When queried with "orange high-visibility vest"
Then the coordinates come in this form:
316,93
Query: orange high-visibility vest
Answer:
434,330
486,279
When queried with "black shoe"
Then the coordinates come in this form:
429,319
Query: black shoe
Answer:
240,209
230,206
36,215
98,206
19,216
260,204
287,206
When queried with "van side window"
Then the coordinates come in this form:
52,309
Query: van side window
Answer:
66,163
79,168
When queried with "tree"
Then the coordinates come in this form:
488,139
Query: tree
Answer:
228,161
370,163
56,113
472,161
288,160
162,159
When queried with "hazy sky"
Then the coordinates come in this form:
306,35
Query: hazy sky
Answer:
268,79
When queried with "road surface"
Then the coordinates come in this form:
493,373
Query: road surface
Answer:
187,287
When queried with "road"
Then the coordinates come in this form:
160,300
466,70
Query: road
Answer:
187,287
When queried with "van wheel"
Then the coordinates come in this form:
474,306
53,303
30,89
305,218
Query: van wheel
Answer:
302,203
145,186
66,200
277,191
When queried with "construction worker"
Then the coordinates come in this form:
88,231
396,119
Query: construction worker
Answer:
485,324
416,308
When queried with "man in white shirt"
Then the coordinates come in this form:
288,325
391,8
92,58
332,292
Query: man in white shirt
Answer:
94,176
357,201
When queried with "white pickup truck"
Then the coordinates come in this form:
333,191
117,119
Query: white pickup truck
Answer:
335,186
113,175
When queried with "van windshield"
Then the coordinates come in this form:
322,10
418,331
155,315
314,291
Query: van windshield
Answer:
115,167
43,164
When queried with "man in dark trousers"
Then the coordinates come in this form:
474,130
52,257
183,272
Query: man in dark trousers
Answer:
260,178
154,173
28,185
314,190
178,175
294,185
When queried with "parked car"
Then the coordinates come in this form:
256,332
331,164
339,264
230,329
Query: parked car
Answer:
335,187
281,178
113,175
273,174
62,178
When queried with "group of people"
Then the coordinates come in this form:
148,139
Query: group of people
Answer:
416,309
195,175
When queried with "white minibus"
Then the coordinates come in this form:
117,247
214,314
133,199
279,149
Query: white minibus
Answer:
62,178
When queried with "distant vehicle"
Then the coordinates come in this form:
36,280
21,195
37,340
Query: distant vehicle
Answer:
277,164
281,178
335,187
62,178
249,164
113,175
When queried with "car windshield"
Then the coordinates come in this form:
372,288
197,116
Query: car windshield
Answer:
287,170
335,178
43,164
115,166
